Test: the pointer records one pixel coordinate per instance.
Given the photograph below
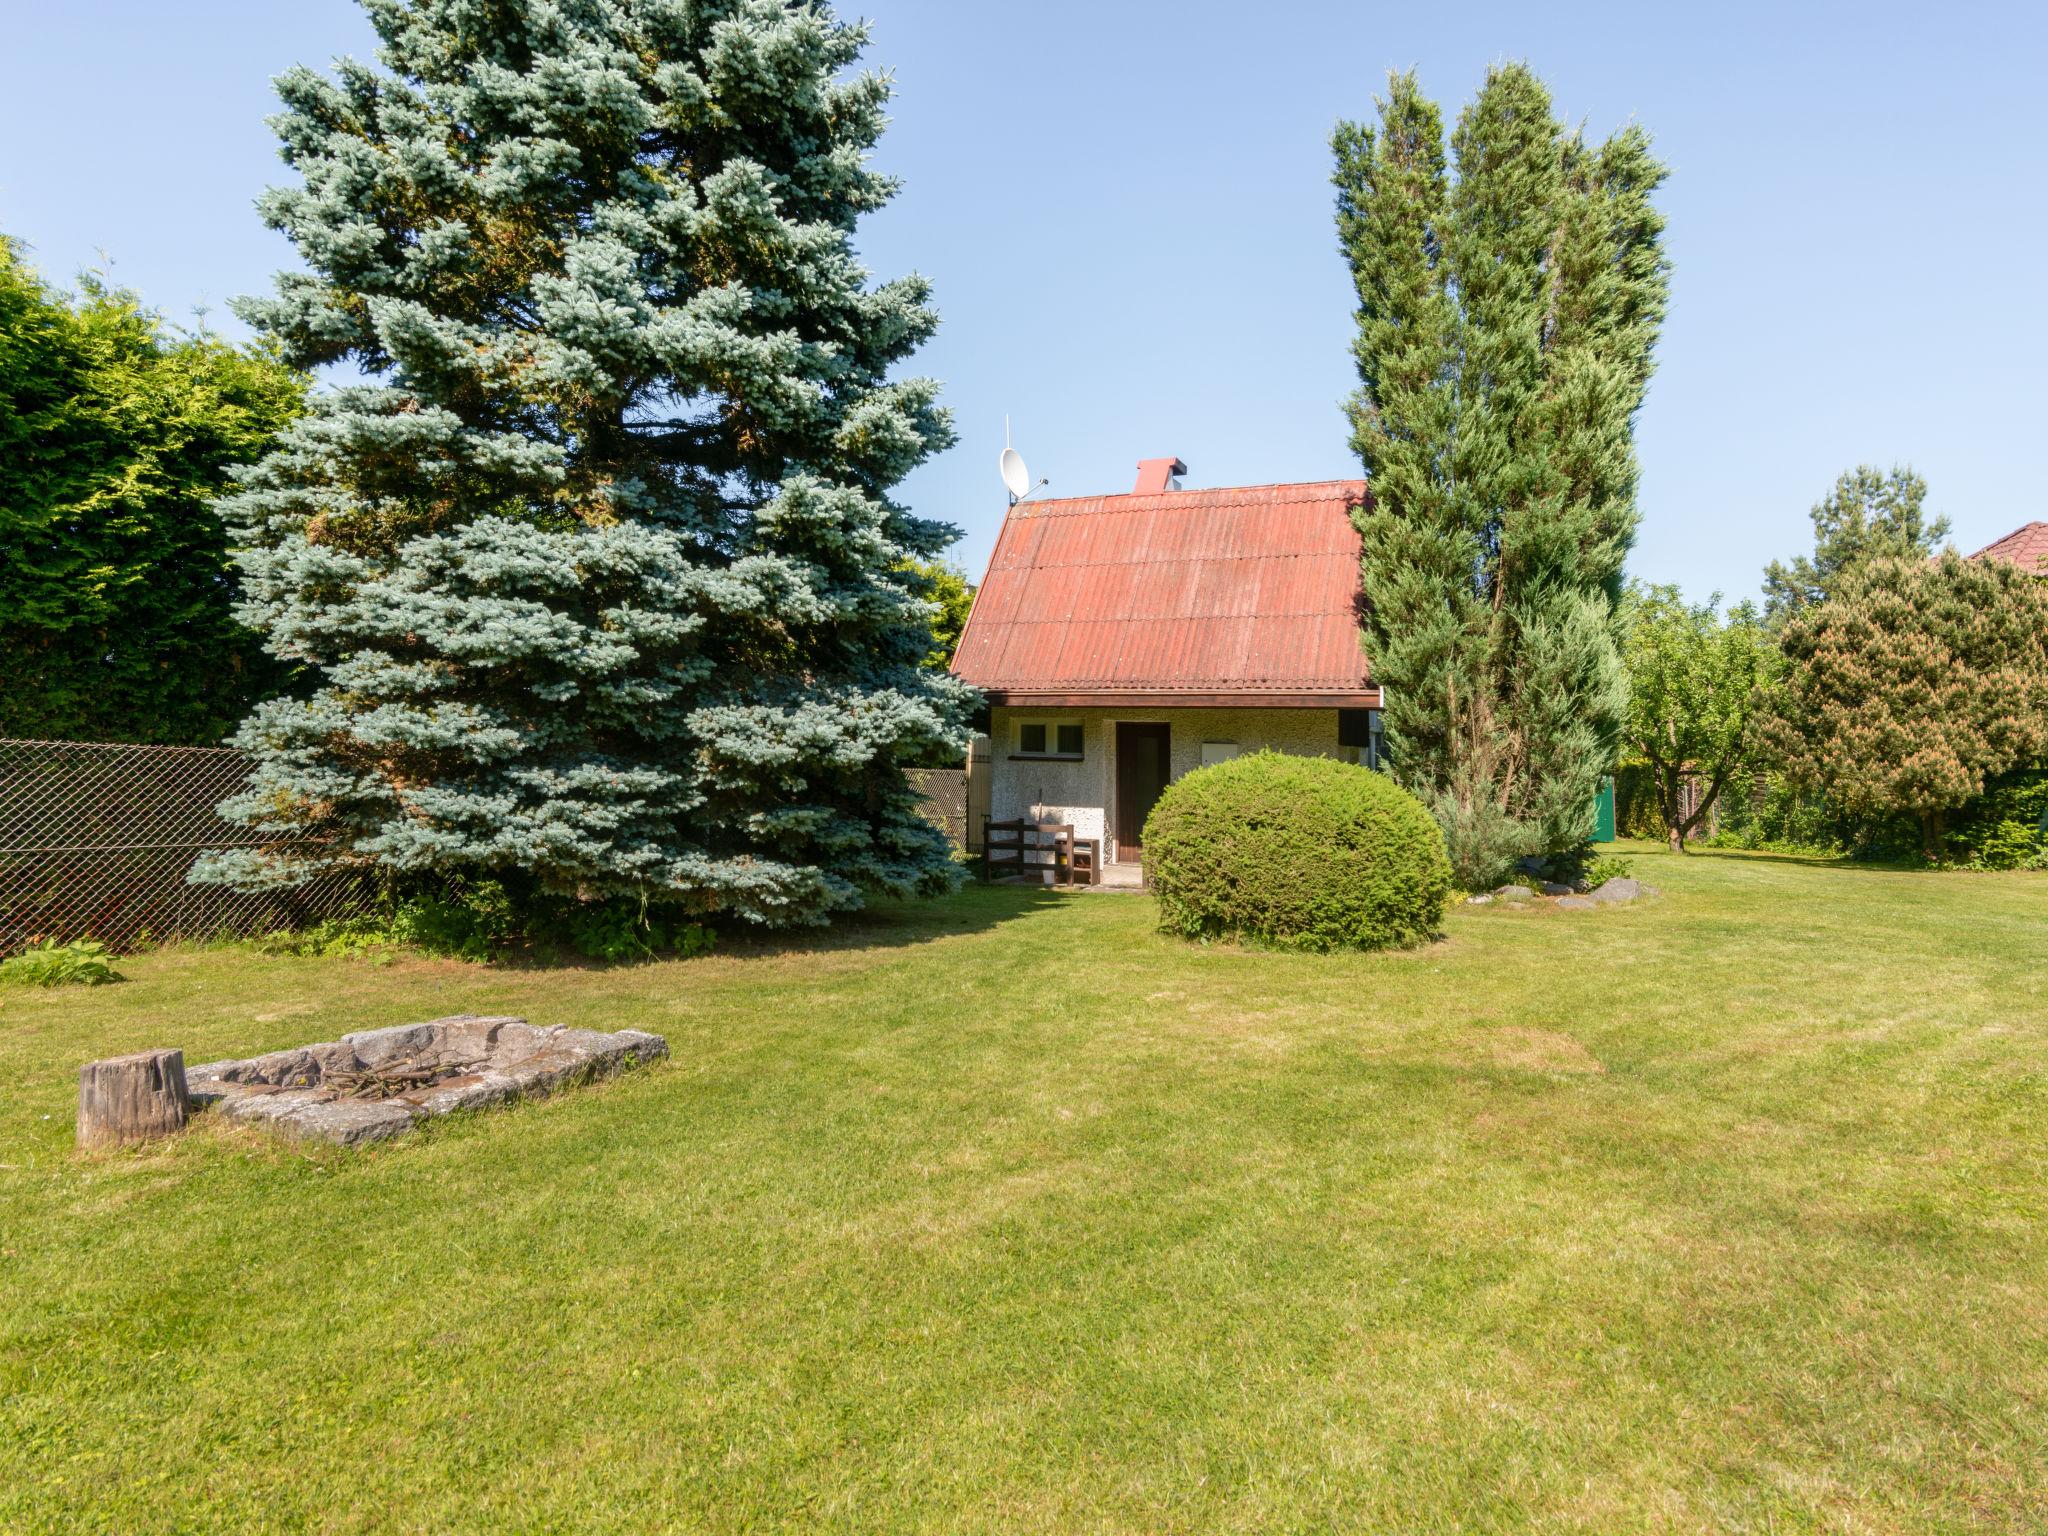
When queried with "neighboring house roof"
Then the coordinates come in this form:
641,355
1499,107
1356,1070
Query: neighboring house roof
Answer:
1245,596
2025,547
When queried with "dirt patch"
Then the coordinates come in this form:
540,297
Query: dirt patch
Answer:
1529,1050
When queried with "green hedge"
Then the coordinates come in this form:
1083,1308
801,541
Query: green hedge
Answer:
2004,828
1299,852
1636,812
2007,826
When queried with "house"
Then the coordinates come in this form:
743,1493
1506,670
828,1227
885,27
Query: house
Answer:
2025,547
1123,640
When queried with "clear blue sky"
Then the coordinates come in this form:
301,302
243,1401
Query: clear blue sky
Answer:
1126,211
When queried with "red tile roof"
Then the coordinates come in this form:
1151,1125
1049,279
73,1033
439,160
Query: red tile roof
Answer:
2025,547
1241,596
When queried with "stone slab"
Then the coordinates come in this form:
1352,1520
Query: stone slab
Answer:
480,1061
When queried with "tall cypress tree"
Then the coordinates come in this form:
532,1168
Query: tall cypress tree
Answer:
1506,317
1427,620
602,575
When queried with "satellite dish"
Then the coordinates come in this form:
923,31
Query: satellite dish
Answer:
1015,475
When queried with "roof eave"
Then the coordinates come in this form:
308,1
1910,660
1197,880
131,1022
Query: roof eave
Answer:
1182,698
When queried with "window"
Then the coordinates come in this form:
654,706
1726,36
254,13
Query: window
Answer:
1049,738
1219,752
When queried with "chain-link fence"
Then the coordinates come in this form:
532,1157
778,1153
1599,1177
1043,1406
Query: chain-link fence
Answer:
944,793
95,841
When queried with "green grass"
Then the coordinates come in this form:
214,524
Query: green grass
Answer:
1724,1212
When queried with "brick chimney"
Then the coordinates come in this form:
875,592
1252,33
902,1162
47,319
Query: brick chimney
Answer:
1156,475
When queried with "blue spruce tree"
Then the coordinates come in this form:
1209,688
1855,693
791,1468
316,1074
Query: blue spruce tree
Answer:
602,578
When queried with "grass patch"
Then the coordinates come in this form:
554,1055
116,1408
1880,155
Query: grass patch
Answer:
1726,1211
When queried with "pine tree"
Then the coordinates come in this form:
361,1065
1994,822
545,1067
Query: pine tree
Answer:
116,593
1869,515
602,576
1913,686
1506,318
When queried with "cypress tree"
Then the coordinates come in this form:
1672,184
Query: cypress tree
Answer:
1506,317
601,573
1426,620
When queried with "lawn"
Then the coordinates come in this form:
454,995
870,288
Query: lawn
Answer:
1722,1212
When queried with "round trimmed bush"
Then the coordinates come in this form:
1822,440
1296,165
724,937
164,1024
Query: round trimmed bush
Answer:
1300,852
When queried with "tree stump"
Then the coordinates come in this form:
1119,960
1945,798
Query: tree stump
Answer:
131,1098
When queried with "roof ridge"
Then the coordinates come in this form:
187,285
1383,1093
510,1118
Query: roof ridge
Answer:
1199,493
2019,535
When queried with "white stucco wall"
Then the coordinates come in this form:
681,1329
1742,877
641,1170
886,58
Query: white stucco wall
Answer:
1031,790
1084,793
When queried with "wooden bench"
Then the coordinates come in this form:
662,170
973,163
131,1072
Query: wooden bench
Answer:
1087,860
1021,849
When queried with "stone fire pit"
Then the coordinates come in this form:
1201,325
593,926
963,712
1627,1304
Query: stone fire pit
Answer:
381,1082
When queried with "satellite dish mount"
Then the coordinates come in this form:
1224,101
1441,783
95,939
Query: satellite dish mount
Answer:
1016,478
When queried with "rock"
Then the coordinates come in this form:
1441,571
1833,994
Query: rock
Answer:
1513,892
1477,901
1578,904
467,1061
374,1048
476,1090
460,1037
304,1117
1618,889
1552,888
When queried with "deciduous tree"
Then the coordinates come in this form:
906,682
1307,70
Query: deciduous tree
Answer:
951,596
1696,682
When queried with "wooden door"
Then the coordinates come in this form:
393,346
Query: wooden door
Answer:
1142,769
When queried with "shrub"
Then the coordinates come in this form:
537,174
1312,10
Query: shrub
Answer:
1484,844
1635,803
1768,812
482,920
624,929
50,964
2004,828
1604,867
1299,852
